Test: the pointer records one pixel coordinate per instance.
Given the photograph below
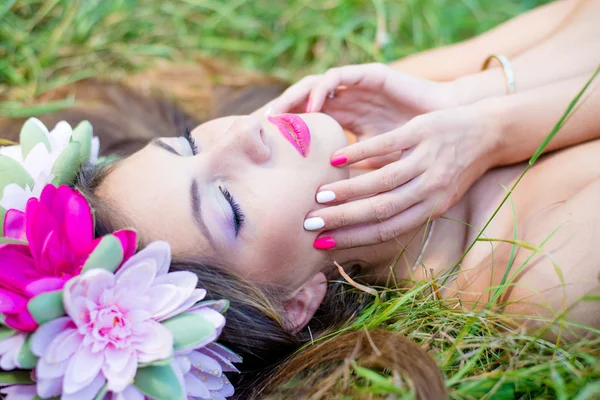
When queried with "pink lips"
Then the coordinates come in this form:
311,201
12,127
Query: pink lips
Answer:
294,129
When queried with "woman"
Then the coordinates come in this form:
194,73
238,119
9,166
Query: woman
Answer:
235,191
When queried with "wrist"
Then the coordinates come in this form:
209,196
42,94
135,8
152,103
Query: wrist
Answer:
472,88
497,118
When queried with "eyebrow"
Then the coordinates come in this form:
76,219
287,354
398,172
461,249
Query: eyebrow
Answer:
164,146
196,210
194,195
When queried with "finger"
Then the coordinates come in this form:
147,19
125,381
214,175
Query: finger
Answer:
351,75
381,145
294,97
379,161
382,180
373,209
374,233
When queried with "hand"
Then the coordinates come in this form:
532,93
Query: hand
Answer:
444,153
368,99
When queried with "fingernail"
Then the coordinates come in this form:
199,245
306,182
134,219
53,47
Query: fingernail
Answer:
308,105
268,111
324,243
338,160
325,196
314,223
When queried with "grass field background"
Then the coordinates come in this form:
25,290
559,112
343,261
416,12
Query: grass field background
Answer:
48,43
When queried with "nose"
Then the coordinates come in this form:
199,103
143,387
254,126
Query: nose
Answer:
245,138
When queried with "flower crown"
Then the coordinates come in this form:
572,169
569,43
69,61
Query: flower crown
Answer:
89,318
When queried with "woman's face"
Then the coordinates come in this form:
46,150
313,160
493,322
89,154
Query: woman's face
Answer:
240,198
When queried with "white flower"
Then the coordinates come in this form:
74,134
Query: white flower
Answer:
41,159
39,162
15,197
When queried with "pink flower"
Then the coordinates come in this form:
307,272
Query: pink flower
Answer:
59,229
113,325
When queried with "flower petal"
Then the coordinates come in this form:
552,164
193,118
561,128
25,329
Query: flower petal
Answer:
159,252
196,296
82,370
128,240
45,370
195,387
44,285
88,392
14,224
136,279
41,339
19,392
119,378
156,345
63,346
204,363
47,388
11,302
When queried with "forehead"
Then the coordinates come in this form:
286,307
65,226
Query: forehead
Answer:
150,193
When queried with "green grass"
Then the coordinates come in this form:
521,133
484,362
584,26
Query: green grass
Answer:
47,43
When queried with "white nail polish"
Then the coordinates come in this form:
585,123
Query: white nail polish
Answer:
325,196
268,111
312,224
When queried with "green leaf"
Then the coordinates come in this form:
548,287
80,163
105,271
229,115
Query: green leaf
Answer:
6,332
26,358
107,255
101,393
46,306
221,305
5,240
377,379
66,166
32,134
2,215
13,172
189,329
166,361
159,383
16,377
6,142
83,134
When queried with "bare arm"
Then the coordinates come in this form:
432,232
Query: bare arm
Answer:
510,38
522,121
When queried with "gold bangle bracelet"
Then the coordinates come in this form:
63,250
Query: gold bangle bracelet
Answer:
509,74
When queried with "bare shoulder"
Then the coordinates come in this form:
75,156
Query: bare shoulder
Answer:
556,208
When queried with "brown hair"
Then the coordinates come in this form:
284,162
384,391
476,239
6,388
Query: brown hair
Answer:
125,120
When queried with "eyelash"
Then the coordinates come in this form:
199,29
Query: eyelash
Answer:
190,139
238,215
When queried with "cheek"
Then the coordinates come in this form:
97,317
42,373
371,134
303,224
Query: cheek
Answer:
282,253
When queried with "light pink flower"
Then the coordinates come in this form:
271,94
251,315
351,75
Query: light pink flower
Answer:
112,325
18,392
10,349
204,370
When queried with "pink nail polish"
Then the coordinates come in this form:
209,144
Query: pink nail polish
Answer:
338,160
324,243
308,105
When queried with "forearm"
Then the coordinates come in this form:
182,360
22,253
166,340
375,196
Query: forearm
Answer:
509,38
570,52
522,121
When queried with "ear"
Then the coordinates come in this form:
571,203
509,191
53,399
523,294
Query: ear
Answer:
303,304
